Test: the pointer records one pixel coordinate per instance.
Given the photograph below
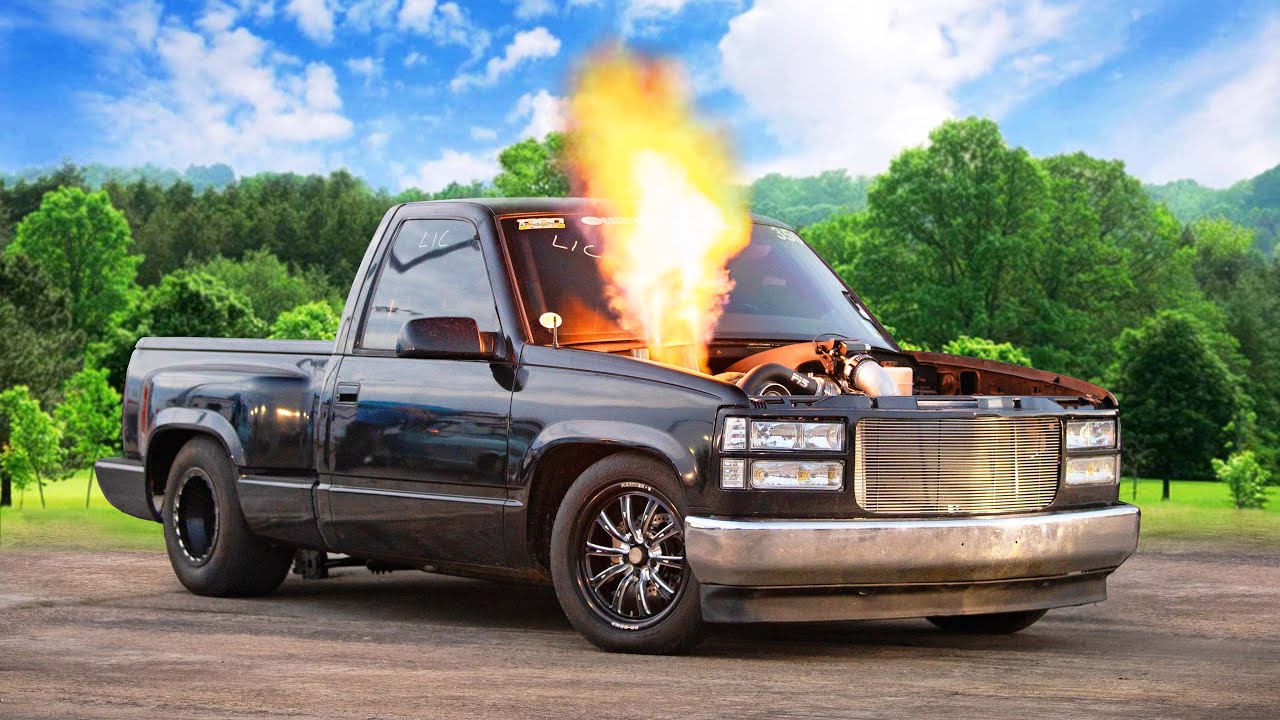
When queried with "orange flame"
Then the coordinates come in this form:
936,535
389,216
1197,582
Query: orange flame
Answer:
637,148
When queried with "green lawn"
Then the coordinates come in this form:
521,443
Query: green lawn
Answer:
1202,511
66,525
1197,511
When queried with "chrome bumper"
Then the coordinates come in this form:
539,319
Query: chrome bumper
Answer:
758,570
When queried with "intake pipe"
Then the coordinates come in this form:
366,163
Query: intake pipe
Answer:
869,376
775,379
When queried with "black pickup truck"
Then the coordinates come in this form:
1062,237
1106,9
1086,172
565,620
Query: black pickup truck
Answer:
817,472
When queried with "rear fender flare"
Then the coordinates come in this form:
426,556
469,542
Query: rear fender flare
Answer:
204,421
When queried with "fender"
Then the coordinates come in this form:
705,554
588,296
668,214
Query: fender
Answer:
206,421
613,432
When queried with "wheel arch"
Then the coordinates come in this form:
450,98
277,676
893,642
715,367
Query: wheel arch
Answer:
172,431
553,466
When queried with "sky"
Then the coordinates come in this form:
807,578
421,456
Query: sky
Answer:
416,93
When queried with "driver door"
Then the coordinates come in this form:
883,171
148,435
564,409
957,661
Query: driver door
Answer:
417,446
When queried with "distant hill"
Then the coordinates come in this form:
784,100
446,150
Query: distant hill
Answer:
1253,203
201,177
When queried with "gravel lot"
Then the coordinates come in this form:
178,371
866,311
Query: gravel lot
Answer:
1188,632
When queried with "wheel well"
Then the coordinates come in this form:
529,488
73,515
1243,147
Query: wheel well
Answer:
554,473
163,449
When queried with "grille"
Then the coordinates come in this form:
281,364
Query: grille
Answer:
968,466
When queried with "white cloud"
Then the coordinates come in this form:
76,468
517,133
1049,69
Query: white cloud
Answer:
314,17
376,141
545,112
483,134
218,16
1215,117
451,166
368,15
446,23
532,44
529,9
118,26
417,15
641,17
414,58
369,68
870,78
224,97
260,10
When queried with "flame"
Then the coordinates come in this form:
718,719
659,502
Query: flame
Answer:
637,148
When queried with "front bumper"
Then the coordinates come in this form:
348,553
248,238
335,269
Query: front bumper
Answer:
779,570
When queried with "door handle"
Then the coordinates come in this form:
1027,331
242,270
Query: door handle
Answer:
348,392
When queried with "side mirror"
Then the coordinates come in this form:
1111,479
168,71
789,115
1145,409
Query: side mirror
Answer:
456,338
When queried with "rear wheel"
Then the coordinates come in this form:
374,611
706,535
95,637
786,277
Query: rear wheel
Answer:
209,543
992,624
618,559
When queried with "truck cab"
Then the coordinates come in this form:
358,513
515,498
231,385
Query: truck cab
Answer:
811,470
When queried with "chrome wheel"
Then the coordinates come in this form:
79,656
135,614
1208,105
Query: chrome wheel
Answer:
195,516
631,564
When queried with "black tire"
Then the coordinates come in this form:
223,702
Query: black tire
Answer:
210,546
993,624
660,611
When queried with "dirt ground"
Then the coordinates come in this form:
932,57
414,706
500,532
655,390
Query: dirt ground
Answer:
1186,633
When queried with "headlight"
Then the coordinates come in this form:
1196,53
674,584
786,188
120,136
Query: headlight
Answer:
1100,470
735,434
797,475
1091,434
770,435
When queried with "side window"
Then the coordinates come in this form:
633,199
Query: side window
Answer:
433,269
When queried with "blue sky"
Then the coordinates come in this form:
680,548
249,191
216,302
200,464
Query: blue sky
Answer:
420,92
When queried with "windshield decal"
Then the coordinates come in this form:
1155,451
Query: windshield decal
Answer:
593,220
540,223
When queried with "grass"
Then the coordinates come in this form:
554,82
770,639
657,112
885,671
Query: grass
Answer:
1202,511
65,524
1196,511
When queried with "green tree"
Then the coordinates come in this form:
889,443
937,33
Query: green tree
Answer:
33,452
987,350
962,218
266,282
838,239
41,346
802,201
312,321
90,420
534,169
1246,478
184,304
82,243
1178,396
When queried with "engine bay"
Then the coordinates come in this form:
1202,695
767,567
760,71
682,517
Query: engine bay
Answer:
840,366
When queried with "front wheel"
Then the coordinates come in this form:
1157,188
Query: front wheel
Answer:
991,624
618,559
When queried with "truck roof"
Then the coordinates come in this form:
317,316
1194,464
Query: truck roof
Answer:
515,205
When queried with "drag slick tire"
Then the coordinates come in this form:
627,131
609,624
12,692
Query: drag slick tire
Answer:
618,558
210,546
992,624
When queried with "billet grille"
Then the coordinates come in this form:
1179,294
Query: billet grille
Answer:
970,466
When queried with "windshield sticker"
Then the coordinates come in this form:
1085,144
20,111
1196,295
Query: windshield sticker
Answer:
542,223
593,220
785,234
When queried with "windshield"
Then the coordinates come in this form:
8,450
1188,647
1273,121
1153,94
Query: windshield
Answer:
781,290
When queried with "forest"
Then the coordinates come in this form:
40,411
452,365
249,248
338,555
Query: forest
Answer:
1168,295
